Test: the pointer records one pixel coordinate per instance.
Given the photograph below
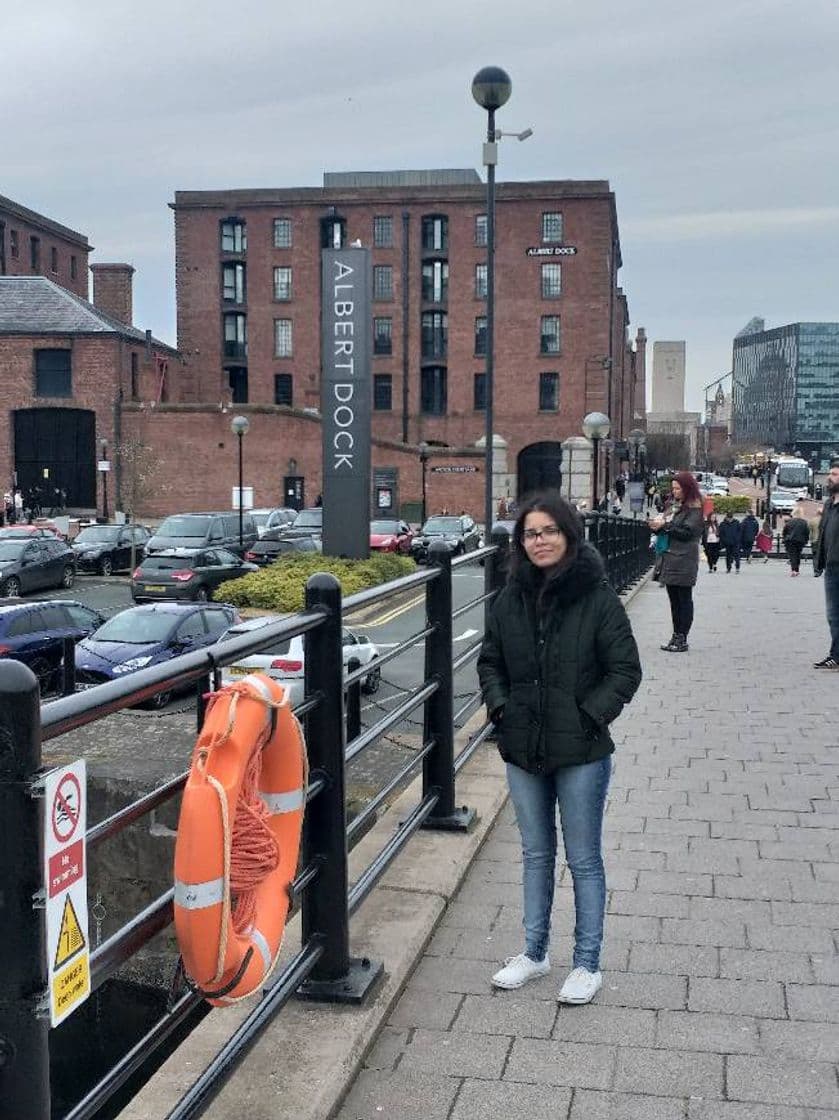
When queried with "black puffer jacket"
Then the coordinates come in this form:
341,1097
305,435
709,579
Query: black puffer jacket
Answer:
561,669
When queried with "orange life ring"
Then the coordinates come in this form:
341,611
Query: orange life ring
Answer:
249,732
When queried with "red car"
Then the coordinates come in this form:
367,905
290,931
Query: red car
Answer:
42,528
391,535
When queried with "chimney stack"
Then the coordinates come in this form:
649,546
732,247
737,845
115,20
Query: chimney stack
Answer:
112,291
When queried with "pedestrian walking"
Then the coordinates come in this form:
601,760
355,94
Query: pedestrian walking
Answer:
730,541
557,665
651,493
677,566
763,541
711,541
795,534
749,529
620,487
826,563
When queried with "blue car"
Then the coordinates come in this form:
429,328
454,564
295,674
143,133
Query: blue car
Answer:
34,631
143,636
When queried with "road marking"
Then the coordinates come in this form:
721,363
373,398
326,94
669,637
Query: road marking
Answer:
389,616
466,634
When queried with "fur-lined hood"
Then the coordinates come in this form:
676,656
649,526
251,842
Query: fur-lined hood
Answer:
584,575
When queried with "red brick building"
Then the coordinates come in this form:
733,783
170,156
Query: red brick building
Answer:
248,300
32,245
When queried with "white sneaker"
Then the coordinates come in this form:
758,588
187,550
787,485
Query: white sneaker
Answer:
518,970
581,986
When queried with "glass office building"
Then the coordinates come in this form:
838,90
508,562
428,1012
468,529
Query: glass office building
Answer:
786,388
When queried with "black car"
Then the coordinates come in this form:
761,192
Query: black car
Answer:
307,523
459,534
34,631
33,565
186,573
274,545
107,548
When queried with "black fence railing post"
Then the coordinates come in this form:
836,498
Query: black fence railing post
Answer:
500,559
438,765
24,1034
337,977
353,702
68,667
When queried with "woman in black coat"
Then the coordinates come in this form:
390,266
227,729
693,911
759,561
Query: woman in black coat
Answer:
678,567
557,665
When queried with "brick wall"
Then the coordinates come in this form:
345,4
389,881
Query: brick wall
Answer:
66,249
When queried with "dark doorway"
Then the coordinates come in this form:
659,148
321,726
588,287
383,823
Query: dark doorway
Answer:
293,491
62,443
539,468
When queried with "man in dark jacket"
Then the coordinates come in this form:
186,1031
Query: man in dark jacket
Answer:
748,531
826,563
730,541
795,534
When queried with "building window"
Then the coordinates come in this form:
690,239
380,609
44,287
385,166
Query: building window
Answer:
435,282
35,253
383,282
135,376
479,392
283,389
552,228
237,379
333,233
435,233
433,390
283,338
551,281
480,281
282,283
234,239
549,392
480,334
382,392
435,334
549,339
73,268
383,231
53,373
480,229
53,259
14,244
235,336
233,283
383,336
282,233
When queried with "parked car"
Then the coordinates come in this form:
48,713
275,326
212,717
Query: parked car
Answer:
33,565
33,632
274,546
783,501
284,660
307,523
39,529
389,535
107,548
266,519
203,530
186,573
458,534
147,635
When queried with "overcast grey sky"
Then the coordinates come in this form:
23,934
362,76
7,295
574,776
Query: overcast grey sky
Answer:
716,125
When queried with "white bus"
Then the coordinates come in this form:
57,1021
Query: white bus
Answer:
792,473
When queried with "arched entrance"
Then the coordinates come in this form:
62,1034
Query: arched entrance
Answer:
539,467
62,442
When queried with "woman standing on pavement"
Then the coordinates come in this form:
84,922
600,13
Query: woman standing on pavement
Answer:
557,665
678,566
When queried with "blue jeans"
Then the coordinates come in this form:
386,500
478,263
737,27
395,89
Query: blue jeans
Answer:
580,792
831,596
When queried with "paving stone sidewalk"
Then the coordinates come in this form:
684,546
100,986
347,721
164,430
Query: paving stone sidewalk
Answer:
720,998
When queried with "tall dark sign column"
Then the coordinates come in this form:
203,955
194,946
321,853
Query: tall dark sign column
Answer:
345,400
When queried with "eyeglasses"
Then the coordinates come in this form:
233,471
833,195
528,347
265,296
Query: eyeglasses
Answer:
549,533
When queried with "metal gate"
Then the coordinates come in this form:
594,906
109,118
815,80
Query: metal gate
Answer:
55,449
539,468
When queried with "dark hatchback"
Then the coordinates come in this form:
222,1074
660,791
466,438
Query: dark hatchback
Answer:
34,565
107,548
458,534
307,523
33,632
147,635
186,573
274,545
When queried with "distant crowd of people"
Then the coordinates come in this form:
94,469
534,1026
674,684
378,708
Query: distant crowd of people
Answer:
22,505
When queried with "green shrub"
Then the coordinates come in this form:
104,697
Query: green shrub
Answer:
739,503
282,585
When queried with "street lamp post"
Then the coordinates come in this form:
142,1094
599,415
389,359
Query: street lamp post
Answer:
423,452
104,467
596,427
239,425
635,439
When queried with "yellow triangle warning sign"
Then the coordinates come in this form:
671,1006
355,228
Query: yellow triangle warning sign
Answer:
70,936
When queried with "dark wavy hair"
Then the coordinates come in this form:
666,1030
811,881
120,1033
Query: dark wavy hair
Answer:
567,520
691,494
